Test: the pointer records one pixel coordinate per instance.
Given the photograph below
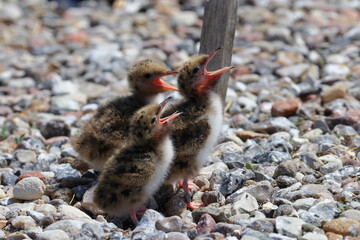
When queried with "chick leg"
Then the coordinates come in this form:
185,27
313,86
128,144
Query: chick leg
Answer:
189,204
133,216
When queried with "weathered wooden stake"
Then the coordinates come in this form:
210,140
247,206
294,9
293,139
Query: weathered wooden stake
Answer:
218,30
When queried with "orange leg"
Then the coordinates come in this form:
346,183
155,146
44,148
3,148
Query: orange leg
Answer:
133,216
185,185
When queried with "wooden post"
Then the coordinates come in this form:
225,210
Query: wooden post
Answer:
218,30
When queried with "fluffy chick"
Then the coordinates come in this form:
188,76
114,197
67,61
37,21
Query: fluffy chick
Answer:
101,135
136,171
196,131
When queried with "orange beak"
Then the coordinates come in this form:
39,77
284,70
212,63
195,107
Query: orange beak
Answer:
163,85
208,78
169,118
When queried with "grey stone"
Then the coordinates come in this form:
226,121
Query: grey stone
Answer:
169,224
285,181
25,156
274,124
8,179
289,226
304,203
263,225
314,236
279,33
228,182
321,125
262,192
71,227
37,216
284,210
336,69
320,212
64,170
53,235
324,139
155,235
176,236
212,197
351,213
280,144
331,163
44,160
272,157
310,159
215,212
208,170
70,212
23,222
227,228
287,168
90,231
148,221
29,188
244,203
311,190
251,234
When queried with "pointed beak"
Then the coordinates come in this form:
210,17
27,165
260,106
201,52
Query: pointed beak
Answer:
169,118
209,77
163,85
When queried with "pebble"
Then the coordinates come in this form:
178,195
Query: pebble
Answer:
29,188
169,224
70,212
333,93
343,226
351,213
25,156
23,222
177,236
53,235
245,203
148,221
54,128
212,197
70,227
88,202
289,226
285,108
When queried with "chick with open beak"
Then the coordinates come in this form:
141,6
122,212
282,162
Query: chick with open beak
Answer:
101,135
195,132
137,170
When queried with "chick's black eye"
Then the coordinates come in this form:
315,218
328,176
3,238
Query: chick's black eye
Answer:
153,120
147,75
196,69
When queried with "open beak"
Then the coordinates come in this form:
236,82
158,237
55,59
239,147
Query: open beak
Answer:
207,78
169,118
163,85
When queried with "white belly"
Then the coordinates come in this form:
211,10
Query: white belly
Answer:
165,157
215,117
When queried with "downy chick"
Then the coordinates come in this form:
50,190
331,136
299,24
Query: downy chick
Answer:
196,131
109,126
136,171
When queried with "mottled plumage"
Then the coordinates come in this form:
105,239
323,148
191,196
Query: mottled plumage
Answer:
109,126
196,131
137,170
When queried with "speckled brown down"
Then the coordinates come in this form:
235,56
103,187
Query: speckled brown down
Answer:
136,171
109,126
197,129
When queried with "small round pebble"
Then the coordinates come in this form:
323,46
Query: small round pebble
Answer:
29,189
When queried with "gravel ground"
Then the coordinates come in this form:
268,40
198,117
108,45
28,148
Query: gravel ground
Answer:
287,163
